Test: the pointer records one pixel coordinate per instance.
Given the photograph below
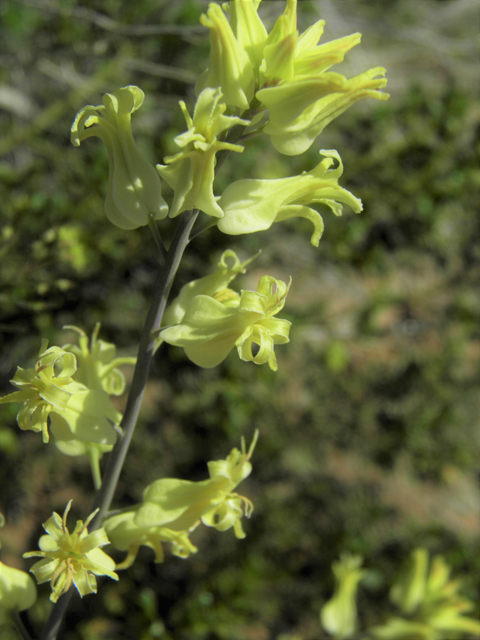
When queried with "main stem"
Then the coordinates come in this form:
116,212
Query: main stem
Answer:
117,457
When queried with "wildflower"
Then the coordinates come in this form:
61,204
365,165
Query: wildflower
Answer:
71,557
190,173
17,591
49,391
134,190
210,329
254,205
248,29
181,504
339,614
97,362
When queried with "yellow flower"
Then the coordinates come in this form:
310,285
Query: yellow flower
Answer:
48,391
209,329
71,557
181,504
215,285
134,188
97,362
290,72
190,173
254,205
229,67
125,535
339,615
172,509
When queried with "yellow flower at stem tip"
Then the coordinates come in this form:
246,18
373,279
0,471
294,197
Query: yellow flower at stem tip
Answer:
254,205
71,557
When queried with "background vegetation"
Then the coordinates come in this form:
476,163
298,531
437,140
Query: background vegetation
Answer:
370,431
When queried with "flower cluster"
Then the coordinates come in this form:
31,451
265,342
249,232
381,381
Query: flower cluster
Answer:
276,83
71,557
429,601
171,509
283,72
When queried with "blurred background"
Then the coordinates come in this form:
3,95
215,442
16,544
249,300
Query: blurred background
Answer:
370,430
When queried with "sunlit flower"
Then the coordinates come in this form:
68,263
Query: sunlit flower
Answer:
214,285
134,189
182,504
71,557
290,72
254,205
172,509
48,391
190,173
209,329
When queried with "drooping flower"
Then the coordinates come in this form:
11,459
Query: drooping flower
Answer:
214,285
172,509
71,557
49,392
254,205
134,189
209,329
182,504
190,173
317,101
97,362
339,615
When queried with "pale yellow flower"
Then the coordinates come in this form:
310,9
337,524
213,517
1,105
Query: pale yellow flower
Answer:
71,557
